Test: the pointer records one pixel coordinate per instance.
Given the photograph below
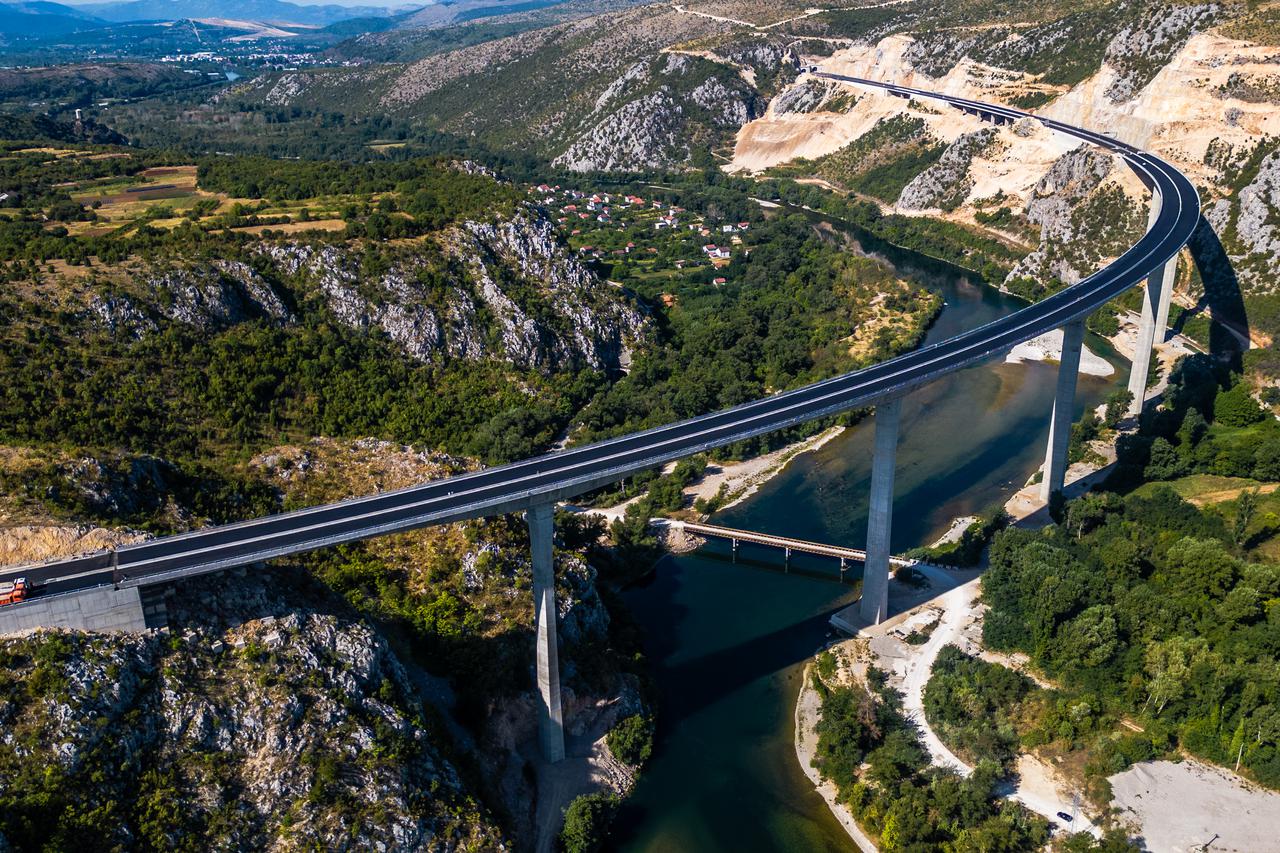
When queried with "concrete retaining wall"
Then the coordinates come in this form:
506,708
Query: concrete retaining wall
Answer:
102,609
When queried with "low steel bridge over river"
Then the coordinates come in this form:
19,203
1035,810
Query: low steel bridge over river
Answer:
103,590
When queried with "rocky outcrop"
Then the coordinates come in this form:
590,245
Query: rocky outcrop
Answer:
1068,182
209,296
1257,225
1140,50
1083,219
802,98
946,184
118,486
215,296
647,117
509,280
119,316
577,320
267,721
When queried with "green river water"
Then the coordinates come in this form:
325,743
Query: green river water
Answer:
728,642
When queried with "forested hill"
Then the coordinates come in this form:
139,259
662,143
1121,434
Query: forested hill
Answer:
1160,603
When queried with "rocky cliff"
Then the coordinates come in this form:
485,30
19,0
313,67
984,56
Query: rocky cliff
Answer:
504,289
647,87
268,720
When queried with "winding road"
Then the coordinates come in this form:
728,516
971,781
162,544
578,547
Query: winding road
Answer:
564,474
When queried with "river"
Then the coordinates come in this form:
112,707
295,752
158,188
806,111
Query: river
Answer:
728,642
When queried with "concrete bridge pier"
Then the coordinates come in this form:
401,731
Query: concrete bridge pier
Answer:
875,577
1146,342
1155,319
1169,277
1055,463
540,519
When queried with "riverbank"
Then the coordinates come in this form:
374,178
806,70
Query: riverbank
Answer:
808,712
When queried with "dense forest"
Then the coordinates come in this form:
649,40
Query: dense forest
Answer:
1149,607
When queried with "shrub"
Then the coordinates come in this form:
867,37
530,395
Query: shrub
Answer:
1236,407
586,822
631,741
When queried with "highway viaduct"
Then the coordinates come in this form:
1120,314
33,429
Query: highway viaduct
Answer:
101,590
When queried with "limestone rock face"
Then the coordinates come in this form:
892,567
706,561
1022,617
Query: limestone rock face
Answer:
260,707
1071,178
947,183
1140,50
1084,218
802,98
215,296
1257,224
500,289
645,118
510,282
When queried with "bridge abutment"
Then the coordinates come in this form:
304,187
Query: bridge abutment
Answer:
1055,463
101,609
540,519
875,575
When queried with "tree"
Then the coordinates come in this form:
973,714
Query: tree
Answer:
631,741
1164,463
1169,664
1089,639
1117,408
586,822
1235,407
1246,508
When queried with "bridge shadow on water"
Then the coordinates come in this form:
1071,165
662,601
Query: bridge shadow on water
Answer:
692,684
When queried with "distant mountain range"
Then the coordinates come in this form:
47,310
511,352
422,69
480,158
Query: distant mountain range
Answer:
39,18
42,18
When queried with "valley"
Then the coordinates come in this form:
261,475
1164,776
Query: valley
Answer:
261,259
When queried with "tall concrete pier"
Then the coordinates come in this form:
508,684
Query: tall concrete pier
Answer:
540,519
1064,399
875,576
1169,277
1154,322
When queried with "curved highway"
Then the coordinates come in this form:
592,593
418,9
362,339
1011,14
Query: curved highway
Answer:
558,476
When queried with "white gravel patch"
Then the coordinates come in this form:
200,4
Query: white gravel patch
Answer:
1180,806
1048,347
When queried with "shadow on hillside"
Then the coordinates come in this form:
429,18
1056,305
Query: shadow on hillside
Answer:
1222,301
